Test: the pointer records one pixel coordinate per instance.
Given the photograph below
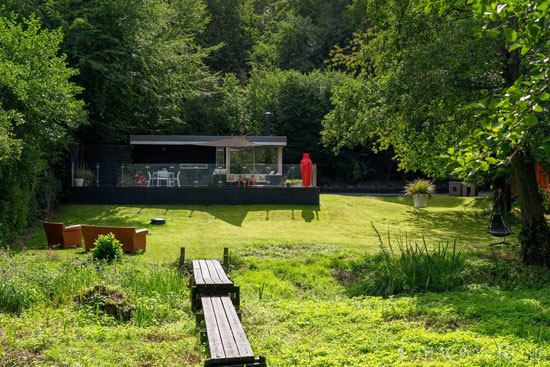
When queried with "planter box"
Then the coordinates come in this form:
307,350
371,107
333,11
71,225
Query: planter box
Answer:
420,200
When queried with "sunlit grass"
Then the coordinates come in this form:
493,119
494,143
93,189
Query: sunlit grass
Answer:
340,220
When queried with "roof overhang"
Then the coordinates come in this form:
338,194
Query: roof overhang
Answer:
206,140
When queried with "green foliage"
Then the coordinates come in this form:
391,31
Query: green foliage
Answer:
231,31
84,173
107,248
29,281
298,102
138,61
415,76
253,34
37,100
545,193
420,186
515,119
38,112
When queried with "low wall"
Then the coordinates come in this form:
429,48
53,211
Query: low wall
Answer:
193,195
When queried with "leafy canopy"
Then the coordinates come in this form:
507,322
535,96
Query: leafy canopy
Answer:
37,101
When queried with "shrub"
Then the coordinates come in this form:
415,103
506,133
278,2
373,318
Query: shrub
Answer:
107,248
84,173
110,301
420,186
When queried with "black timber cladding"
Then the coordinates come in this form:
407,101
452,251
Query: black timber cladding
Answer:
194,195
109,158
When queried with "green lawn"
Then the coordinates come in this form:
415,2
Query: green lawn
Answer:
295,311
340,220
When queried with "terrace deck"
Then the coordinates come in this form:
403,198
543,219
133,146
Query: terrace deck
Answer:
194,195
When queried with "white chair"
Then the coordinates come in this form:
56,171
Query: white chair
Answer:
163,176
149,179
176,180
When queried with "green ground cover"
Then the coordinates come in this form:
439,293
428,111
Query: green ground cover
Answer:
297,311
341,220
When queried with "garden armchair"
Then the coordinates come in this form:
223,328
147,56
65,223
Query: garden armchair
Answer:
58,234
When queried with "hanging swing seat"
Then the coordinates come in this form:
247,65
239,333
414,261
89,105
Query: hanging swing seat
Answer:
498,224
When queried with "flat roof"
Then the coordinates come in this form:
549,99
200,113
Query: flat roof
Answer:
279,141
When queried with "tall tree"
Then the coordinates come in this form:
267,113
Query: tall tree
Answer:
297,34
515,121
425,82
230,30
414,76
39,111
138,60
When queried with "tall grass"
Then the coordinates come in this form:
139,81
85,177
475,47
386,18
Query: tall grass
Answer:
404,266
27,280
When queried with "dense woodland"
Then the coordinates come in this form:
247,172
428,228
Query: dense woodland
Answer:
446,88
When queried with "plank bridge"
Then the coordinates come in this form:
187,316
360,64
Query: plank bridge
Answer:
215,299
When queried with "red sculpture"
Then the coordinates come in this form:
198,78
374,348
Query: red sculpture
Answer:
305,169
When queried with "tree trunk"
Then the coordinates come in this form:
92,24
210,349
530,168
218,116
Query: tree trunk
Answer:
501,194
535,234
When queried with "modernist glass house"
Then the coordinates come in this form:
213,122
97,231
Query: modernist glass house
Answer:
207,160
188,169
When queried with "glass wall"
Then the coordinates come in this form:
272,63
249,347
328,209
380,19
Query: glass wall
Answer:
241,160
266,160
253,160
194,175
252,166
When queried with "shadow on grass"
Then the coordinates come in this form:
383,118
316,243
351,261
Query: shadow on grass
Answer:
121,216
441,201
236,214
459,224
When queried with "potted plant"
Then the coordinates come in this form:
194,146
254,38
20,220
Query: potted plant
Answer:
83,175
420,190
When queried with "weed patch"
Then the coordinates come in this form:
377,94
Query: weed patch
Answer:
114,303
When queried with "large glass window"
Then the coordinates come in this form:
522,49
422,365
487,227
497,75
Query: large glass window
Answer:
242,160
266,160
260,160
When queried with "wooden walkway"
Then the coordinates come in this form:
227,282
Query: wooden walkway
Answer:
215,299
209,278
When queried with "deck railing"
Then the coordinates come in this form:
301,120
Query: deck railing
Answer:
176,175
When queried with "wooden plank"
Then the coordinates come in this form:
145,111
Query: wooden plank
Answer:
212,271
241,340
205,273
229,345
212,331
197,274
221,273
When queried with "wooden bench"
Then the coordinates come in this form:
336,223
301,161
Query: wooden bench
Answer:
209,278
229,346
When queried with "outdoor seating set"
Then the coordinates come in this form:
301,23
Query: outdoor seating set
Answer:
158,178
166,178
58,235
